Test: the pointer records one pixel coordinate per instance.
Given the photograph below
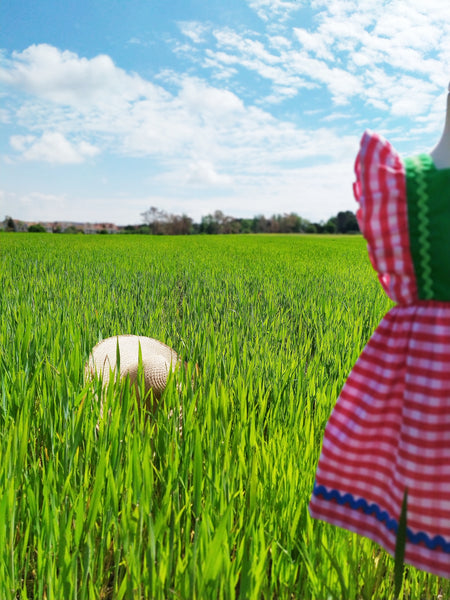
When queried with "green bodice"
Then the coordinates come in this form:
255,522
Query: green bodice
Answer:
428,195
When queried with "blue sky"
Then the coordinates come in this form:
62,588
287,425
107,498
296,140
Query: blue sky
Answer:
251,107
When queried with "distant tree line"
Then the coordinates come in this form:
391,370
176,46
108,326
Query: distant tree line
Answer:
159,222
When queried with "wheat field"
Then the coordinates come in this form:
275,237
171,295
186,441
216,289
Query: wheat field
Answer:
208,497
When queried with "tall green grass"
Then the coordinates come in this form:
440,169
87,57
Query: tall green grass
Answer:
210,504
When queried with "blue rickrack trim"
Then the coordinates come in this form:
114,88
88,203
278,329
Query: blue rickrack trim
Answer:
437,542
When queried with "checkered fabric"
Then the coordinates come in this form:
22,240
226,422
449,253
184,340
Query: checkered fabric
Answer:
390,429
380,190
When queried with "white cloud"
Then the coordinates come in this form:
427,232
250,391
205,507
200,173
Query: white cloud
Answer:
279,69
194,30
227,38
5,116
147,120
346,41
221,72
46,207
274,9
279,42
305,191
64,78
52,147
313,43
203,172
224,145
198,97
280,93
21,142
32,206
199,120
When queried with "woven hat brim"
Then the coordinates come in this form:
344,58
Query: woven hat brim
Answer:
157,357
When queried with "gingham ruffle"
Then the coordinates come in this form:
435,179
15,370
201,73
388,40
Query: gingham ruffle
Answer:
380,190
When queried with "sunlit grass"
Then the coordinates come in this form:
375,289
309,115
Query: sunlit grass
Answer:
129,507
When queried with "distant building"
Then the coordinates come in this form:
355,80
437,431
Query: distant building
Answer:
9,224
100,227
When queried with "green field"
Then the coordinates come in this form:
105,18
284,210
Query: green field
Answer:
134,509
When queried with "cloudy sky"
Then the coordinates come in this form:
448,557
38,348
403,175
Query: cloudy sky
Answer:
251,107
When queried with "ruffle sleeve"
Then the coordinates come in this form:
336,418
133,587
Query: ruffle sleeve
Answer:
380,190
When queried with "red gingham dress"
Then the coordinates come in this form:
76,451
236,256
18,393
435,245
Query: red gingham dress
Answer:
390,429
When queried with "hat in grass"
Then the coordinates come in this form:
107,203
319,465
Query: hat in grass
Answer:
157,361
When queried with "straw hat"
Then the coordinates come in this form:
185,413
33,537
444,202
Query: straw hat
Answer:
157,361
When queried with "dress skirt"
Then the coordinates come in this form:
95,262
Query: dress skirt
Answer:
390,433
